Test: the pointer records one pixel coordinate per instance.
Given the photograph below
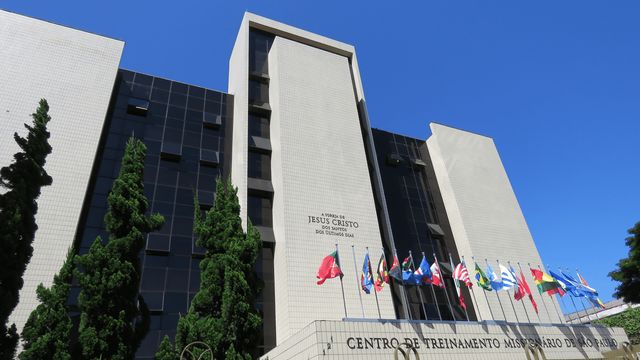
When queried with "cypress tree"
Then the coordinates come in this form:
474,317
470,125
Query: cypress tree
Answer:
166,351
47,332
113,316
223,313
628,272
21,182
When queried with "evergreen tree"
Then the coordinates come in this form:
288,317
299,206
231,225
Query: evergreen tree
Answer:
166,351
46,334
222,313
21,183
113,316
628,272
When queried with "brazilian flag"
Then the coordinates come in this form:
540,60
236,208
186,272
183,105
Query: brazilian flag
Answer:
482,279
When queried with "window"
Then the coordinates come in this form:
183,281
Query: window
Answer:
259,210
137,106
258,92
258,126
259,166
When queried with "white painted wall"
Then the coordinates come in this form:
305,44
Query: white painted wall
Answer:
318,166
485,217
75,71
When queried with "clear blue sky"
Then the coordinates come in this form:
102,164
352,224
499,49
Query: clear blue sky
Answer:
555,83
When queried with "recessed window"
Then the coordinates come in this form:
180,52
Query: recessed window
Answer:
258,92
259,210
137,106
259,166
258,126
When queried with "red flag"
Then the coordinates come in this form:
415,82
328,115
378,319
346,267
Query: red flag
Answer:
329,268
436,275
526,290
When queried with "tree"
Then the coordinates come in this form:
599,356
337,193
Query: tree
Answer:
628,272
113,317
223,313
166,351
46,335
22,181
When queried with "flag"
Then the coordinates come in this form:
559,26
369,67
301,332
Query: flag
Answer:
382,275
460,273
482,279
366,278
508,278
407,271
569,285
522,282
546,283
436,274
586,286
594,297
329,268
395,271
422,275
496,283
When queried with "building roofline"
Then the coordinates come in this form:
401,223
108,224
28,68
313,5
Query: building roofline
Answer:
456,128
303,36
58,24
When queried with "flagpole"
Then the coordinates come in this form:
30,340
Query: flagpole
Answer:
573,302
418,288
444,287
509,294
375,293
355,267
486,298
456,283
521,299
522,273
561,299
498,295
472,292
544,302
344,302
403,294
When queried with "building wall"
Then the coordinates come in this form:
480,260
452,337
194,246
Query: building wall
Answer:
170,260
485,217
319,170
75,71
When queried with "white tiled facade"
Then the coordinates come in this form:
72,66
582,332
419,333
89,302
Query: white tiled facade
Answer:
75,71
485,217
375,340
313,104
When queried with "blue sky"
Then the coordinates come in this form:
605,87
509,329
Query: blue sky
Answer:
555,83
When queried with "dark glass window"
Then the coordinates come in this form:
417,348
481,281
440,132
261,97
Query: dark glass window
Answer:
259,165
259,43
259,210
258,92
258,126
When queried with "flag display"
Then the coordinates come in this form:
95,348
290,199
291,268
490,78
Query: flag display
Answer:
593,298
546,283
436,275
382,275
329,268
423,275
496,283
482,279
395,271
366,278
508,278
522,284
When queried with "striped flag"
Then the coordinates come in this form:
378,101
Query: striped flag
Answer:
436,274
509,280
460,273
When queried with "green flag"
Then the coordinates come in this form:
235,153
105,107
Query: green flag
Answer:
482,279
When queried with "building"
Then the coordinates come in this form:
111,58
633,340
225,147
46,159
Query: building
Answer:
293,134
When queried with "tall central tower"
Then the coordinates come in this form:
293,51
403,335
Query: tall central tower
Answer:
299,160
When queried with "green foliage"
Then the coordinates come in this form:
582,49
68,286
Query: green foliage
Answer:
21,182
113,316
629,320
166,351
46,334
628,272
223,313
